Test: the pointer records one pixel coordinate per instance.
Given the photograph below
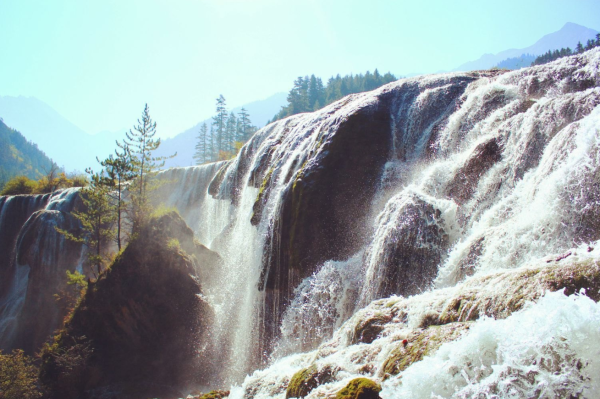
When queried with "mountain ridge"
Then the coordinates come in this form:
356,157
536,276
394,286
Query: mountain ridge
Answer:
74,149
567,36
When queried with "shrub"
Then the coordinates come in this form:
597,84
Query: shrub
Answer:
162,210
173,243
19,185
64,371
18,376
78,180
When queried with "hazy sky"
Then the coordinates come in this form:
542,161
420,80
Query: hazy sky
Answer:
98,62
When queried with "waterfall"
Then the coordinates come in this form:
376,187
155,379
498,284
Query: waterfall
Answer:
375,209
34,259
413,187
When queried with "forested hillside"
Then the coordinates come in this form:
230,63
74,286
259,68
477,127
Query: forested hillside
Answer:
19,156
309,94
565,52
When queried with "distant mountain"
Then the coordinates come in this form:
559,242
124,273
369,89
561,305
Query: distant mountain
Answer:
567,36
74,149
184,143
523,61
18,156
68,145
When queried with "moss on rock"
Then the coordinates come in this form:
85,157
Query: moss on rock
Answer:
216,394
261,198
421,343
305,380
367,330
360,388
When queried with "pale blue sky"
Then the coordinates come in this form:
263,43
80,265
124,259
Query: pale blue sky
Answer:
98,62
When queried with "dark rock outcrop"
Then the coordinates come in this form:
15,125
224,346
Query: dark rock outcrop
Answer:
484,156
140,330
412,244
323,210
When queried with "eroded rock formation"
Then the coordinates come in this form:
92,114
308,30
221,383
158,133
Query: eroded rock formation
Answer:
141,329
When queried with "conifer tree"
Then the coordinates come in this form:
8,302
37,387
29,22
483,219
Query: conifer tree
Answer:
96,220
220,124
212,148
308,93
202,146
244,126
119,172
231,133
141,143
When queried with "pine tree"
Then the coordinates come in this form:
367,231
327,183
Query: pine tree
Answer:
220,124
202,146
118,173
231,130
579,48
141,144
96,220
212,147
308,93
243,126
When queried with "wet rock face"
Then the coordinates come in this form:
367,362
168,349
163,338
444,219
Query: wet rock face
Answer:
485,155
144,320
416,127
414,260
323,213
14,212
413,242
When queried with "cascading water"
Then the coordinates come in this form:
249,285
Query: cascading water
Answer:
415,186
35,257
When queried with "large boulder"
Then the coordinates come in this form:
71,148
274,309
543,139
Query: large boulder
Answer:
140,331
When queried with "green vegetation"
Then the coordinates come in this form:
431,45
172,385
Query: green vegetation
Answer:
18,376
119,171
20,157
51,182
138,147
64,364
309,94
104,204
564,52
173,243
97,221
227,135
360,388
19,185
69,297
162,210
